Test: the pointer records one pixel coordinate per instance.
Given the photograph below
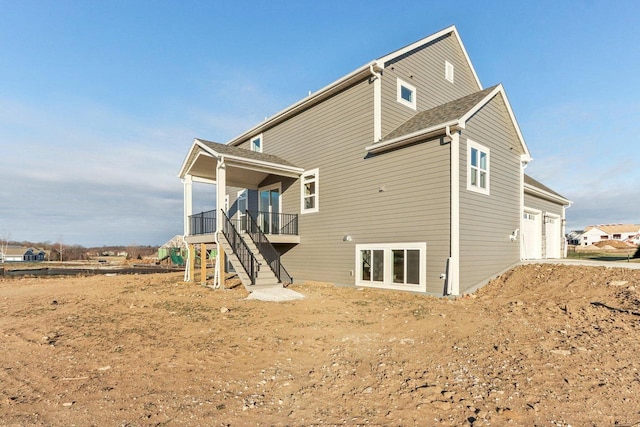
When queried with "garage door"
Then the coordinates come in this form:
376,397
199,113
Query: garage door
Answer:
552,237
531,235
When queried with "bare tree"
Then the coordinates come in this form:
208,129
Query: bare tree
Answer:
4,244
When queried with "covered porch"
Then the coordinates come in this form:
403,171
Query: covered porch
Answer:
257,209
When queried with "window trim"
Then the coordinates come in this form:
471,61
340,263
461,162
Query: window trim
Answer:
316,179
388,282
471,145
449,71
411,104
252,146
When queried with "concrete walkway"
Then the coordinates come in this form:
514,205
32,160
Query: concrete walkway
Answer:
276,294
586,262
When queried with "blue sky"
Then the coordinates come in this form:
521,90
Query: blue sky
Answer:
100,100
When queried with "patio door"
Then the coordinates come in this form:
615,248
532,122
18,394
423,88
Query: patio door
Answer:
269,209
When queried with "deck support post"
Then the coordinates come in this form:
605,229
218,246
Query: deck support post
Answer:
203,264
192,261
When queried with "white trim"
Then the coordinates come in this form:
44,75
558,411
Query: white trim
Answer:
377,109
449,71
452,29
535,191
252,146
242,195
487,170
387,282
414,93
187,202
526,157
453,274
409,138
277,185
316,179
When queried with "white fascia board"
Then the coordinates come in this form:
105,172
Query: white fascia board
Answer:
452,29
247,162
310,100
409,138
535,191
500,90
185,167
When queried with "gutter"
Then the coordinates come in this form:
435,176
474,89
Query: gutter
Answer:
413,137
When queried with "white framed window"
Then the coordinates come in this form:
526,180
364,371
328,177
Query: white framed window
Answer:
407,94
400,266
256,144
478,170
309,191
448,71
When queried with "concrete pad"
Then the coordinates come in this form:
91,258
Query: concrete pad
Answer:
276,294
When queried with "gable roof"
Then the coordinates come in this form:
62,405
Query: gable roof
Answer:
267,163
367,70
615,228
454,114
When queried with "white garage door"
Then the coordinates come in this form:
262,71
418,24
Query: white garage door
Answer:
552,237
531,235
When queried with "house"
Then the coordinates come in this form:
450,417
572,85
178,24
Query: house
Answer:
597,233
404,174
574,236
22,254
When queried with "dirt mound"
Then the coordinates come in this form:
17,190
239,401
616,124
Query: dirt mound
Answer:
541,345
613,244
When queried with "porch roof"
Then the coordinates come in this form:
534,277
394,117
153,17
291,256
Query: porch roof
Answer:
244,168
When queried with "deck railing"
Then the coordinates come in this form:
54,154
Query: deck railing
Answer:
276,223
269,223
240,248
202,223
266,249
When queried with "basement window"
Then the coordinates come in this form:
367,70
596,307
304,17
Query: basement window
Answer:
406,94
400,266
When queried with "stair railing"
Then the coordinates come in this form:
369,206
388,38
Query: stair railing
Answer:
240,248
266,249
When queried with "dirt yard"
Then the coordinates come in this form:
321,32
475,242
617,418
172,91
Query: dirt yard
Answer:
543,345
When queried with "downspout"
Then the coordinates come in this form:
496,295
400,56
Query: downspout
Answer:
453,271
377,103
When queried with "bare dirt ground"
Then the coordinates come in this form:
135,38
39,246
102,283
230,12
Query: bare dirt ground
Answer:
543,345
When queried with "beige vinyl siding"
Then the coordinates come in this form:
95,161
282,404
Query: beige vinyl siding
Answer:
425,69
486,221
414,206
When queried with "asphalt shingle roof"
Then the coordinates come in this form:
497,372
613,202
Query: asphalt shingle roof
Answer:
441,114
539,185
242,152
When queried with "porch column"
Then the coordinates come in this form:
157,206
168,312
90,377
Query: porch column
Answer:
187,183
203,264
221,191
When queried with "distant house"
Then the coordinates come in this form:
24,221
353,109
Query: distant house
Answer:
404,174
574,236
597,233
22,254
175,245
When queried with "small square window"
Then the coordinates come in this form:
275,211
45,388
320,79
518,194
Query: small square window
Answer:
406,94
256,144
